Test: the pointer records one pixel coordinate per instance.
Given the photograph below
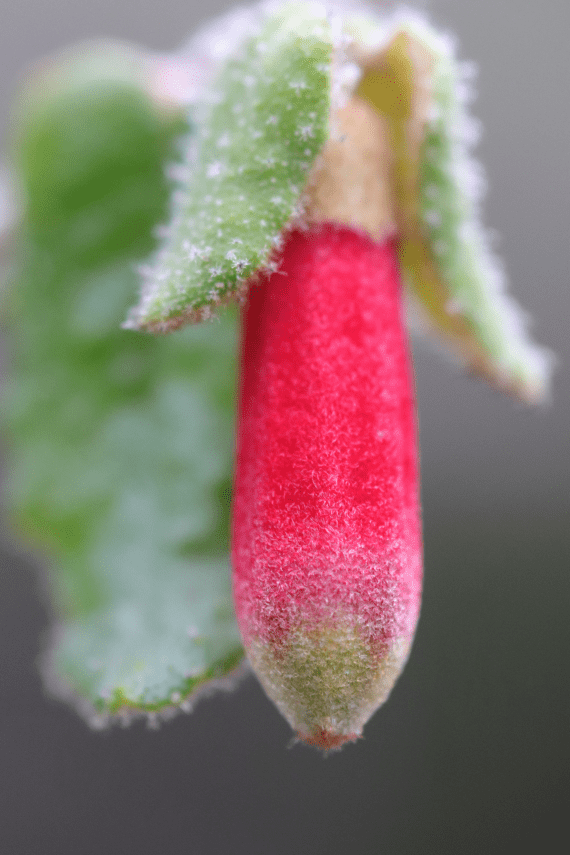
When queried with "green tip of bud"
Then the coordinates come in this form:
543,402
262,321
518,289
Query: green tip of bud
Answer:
328,681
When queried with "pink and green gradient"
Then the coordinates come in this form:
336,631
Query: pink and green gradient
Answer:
326,527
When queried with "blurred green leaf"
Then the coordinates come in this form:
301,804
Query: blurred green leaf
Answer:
119,444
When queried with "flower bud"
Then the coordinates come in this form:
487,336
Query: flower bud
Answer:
326,522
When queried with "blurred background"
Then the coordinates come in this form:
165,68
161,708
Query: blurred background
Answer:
471,754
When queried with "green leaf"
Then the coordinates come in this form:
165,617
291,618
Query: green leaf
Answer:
119,445
450,186
416,82
261,127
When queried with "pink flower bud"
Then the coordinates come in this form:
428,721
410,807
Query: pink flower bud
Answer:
326,525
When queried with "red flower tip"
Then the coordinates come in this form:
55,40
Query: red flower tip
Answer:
326,524
326,740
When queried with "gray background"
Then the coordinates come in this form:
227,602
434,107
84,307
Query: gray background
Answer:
471,753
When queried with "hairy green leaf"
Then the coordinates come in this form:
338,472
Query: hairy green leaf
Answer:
416,82
450,186
260,129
